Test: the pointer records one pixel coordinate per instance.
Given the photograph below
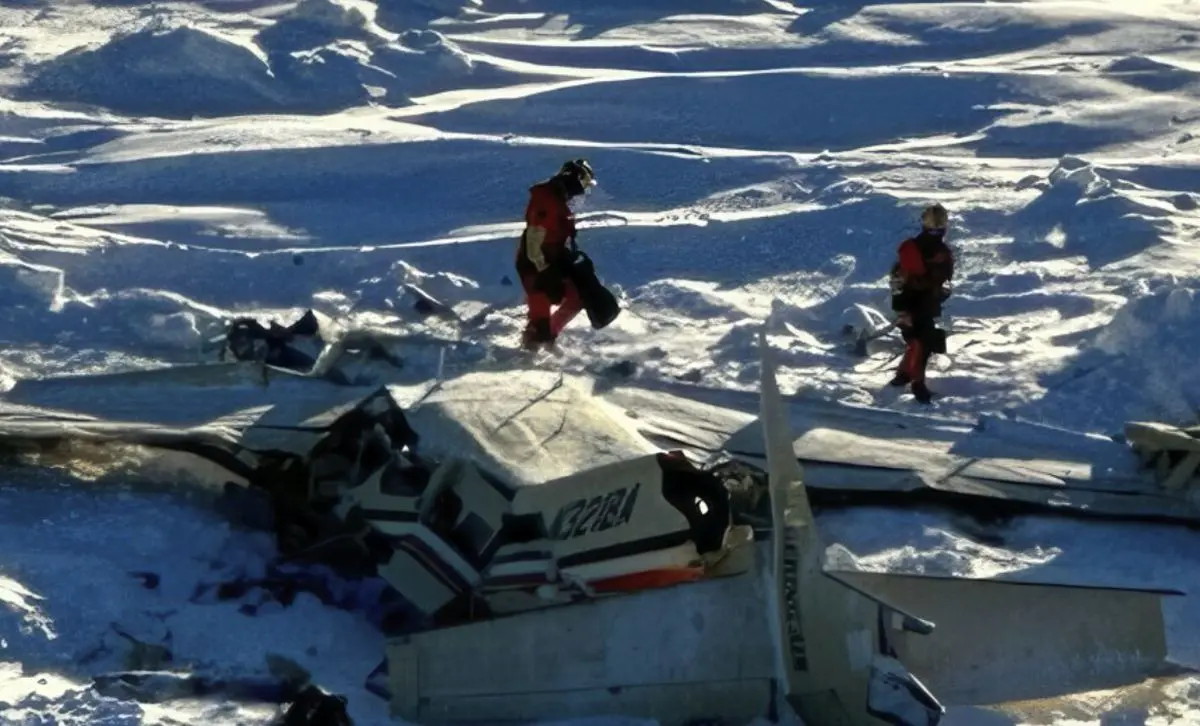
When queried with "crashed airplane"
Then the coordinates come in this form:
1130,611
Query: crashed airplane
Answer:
575,547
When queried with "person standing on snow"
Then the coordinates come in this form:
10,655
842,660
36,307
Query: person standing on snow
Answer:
920,281
547,250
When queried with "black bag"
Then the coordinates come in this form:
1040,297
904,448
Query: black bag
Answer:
600,305
937,341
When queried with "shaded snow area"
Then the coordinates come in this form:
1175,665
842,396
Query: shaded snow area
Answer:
167,166
103,583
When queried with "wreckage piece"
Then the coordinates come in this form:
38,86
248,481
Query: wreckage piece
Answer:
458,539
190,396
652,521
994,641
838,648
528,427
835,659
318,442
246,339
345,357
533,500
861,456
1002,641
419,556
676,654
461,544
1171,452
463,540
701,650
866,469
309,465
304,348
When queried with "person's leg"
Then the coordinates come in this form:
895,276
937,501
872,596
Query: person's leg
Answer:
924,331
570,307
904,371
538,328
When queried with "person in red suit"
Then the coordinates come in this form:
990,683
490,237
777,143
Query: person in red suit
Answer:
547,250
920,283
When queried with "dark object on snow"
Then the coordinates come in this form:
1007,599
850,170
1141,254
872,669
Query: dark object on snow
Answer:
427,304
165,686
313,706
248,340
865,336
246,506
149,580
621,369
308,705
600,305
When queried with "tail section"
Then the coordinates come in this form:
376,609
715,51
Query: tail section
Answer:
835,663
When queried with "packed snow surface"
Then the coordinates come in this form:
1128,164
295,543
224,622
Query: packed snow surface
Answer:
164,166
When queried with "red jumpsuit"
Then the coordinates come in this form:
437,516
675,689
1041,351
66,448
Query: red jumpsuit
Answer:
924,266
541,258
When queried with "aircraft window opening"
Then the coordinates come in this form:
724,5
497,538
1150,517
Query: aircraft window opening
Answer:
523,528
471,537
446,509
375,452
403,481
701,497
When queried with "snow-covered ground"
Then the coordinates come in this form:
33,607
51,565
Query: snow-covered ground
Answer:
164,165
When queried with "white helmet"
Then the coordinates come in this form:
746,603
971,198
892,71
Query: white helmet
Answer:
935,219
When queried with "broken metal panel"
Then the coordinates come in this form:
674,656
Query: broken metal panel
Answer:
1172,453
545,426
1147,506
710,657
201,374
417,520
483,505
667,704
857,456
524,576
216,394
999,641
852,485
424,568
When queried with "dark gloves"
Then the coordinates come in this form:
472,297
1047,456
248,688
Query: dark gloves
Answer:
565,260
550,282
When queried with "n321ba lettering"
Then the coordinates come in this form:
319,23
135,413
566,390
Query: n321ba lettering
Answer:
595,514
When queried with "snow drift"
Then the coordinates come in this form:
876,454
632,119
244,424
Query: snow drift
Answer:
1140,366
317,58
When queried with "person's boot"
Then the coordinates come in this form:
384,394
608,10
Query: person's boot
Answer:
921,392
901,379
537,335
